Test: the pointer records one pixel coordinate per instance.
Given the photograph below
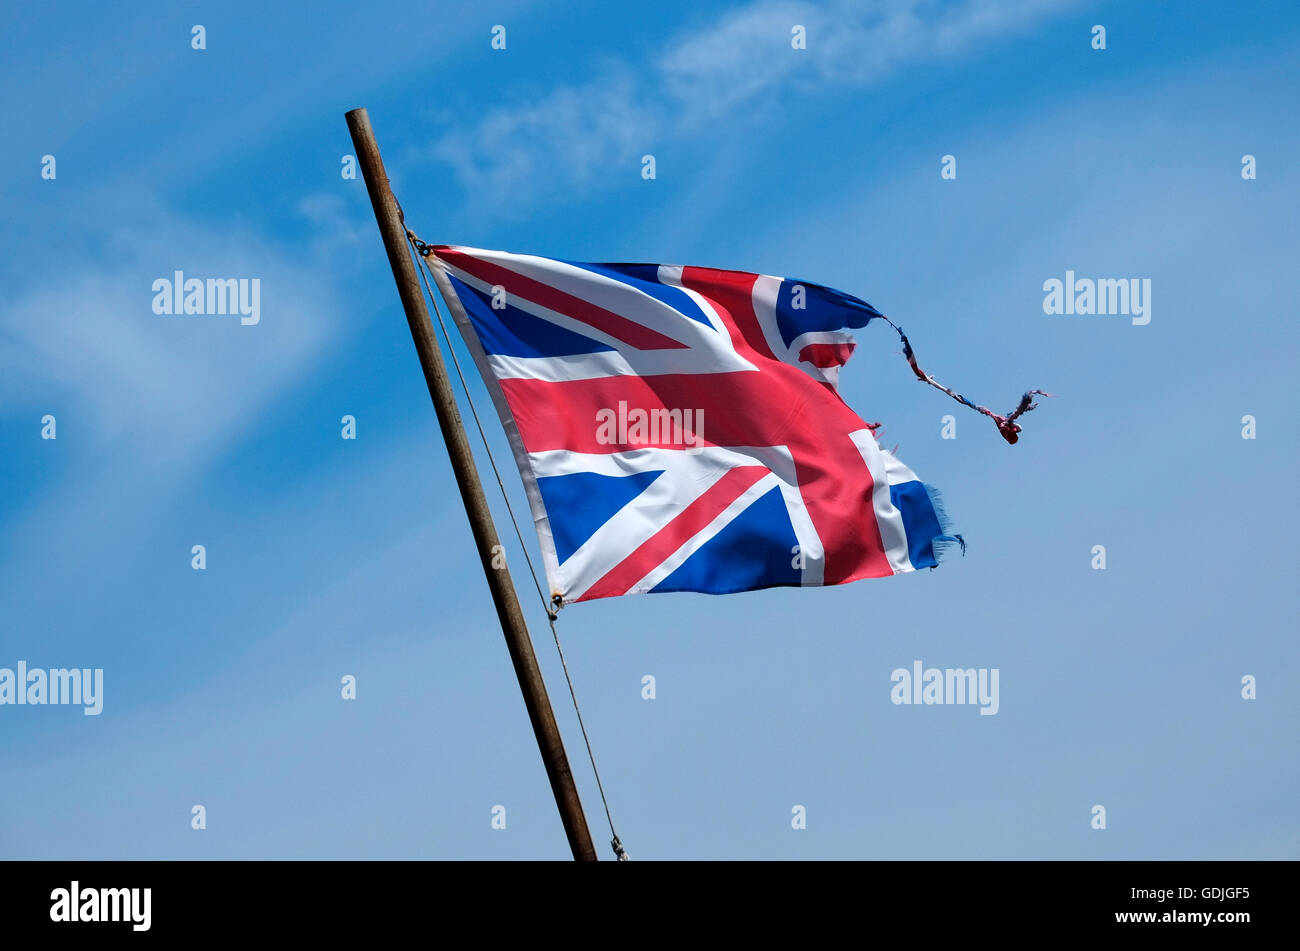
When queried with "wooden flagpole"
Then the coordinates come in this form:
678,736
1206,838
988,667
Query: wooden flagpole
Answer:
393,231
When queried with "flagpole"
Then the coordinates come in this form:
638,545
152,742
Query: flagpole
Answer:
549,742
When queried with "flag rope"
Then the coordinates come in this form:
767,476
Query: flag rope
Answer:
421,250
1007,425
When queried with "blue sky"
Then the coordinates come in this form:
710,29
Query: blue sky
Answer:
329,557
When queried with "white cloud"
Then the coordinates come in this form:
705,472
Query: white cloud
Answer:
579,131
85,337
333,228
144,403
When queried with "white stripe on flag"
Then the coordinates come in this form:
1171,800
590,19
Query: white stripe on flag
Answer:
706,534
892,534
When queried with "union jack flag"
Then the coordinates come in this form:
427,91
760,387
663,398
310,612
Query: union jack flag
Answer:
680,429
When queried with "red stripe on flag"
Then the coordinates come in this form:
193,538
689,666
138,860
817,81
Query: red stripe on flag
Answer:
732,296
827,354
518,285
693,519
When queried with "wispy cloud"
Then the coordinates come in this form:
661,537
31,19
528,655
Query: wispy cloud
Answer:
332,224
580,129
85,337
576,133
145,404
